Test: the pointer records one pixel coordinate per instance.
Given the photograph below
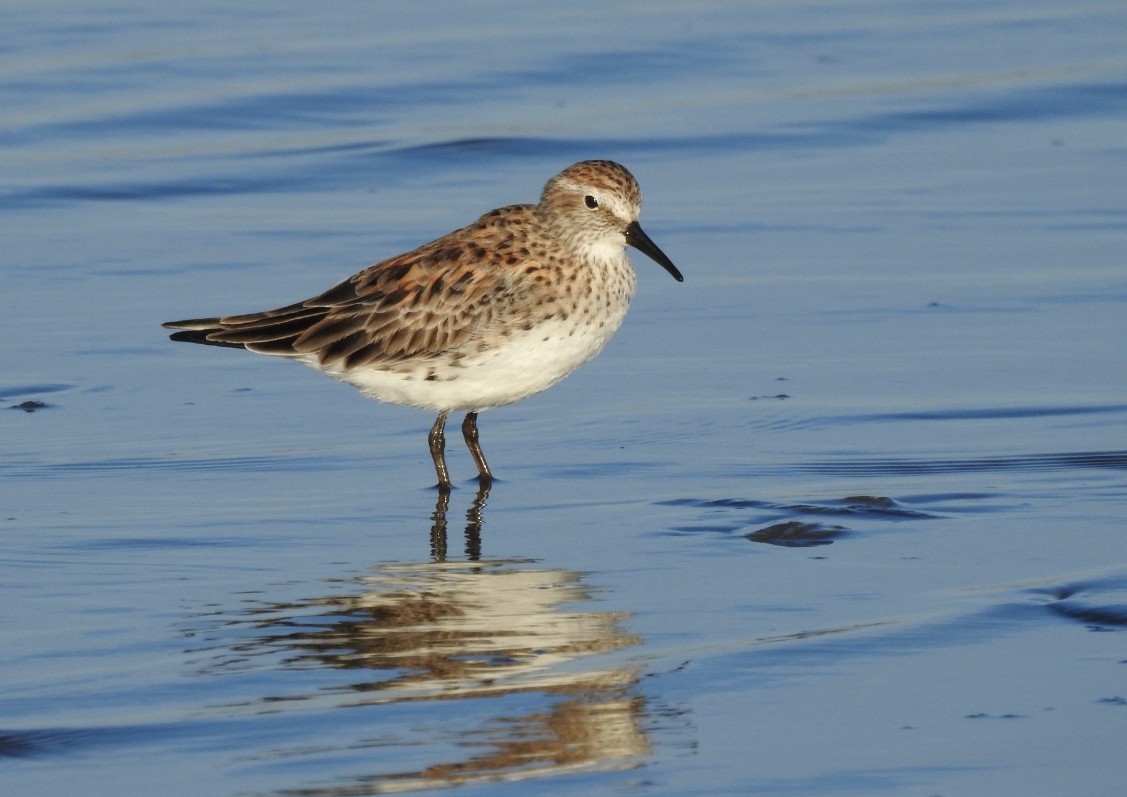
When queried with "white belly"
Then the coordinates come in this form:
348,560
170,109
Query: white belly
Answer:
520,366
508,368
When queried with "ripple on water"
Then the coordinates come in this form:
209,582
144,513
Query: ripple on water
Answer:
793,525
1100,603
900,466
17,391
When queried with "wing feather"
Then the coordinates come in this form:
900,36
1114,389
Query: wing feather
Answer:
436,300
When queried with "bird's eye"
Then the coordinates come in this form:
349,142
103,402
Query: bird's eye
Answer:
590,202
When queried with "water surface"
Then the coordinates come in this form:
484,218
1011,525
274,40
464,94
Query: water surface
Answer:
841,514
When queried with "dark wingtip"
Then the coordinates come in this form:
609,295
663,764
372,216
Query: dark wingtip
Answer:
200,336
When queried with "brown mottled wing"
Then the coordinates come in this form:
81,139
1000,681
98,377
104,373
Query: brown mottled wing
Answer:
433,300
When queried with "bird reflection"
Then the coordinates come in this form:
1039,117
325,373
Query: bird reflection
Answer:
451,631
474,522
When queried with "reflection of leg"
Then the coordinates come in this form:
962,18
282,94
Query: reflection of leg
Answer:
438,528
474,520
469,431
437,440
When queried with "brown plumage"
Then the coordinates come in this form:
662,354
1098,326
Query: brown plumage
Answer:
478,318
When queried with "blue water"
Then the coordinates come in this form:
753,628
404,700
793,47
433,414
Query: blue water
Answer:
841,514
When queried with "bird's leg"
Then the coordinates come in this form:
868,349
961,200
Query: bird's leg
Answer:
469,432
437,441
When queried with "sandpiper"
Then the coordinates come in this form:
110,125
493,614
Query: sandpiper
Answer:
480,318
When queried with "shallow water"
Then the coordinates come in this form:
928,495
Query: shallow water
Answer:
841,514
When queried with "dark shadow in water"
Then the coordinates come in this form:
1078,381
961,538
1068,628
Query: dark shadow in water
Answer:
471,633
793,534
1097,602
30,406
790,525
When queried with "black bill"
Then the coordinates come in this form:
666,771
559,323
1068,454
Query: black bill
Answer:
636,238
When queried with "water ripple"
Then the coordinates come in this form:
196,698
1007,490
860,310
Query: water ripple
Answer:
967,414
1095,602
895,466
792,525
243,464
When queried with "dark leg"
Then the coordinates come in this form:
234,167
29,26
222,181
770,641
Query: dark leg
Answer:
469,431
437,440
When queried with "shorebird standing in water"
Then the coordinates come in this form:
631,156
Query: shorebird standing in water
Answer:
480,318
